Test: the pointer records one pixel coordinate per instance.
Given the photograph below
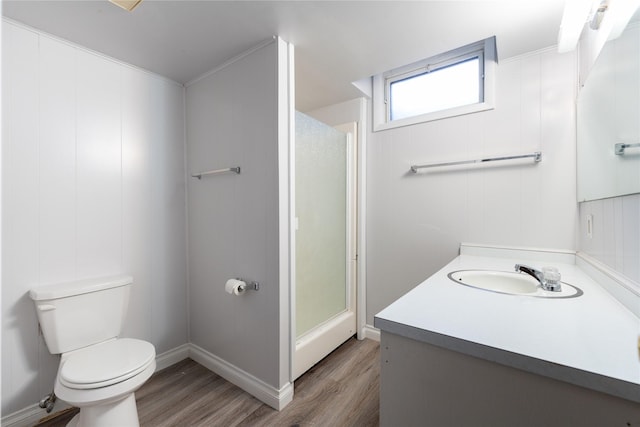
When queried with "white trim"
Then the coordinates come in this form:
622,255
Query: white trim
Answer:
322,340
33,414
291,217
535,254
625,290
351,202
380,82
534,53
1,174
172,357
371,333
237,58
355,110
286,246
273,397
361,279
276,398
185,163
351,279
436,115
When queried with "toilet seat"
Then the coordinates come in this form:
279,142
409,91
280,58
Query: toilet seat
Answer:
106,363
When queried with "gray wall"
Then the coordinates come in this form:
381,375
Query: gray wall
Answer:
233,120
415,223
92,185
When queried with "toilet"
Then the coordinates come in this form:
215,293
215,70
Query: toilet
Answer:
98,371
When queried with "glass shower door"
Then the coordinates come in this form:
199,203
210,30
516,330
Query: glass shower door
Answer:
324,296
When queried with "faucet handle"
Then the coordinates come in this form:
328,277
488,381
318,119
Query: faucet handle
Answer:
551,273
551,277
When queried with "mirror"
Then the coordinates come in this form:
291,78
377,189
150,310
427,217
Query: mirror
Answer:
608,115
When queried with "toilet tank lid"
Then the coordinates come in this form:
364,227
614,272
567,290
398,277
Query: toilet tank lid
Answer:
78,287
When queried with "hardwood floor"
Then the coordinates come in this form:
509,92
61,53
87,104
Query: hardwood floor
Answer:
341,390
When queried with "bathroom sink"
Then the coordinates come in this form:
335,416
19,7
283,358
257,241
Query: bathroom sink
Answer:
506,282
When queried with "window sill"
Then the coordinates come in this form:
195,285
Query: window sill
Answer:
437,115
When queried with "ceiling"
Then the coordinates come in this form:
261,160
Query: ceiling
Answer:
336,42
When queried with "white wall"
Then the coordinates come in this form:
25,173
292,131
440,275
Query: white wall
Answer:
233,119
416,222
615,237
616,220
92,185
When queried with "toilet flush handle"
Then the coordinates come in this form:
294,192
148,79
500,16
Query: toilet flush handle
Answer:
46,307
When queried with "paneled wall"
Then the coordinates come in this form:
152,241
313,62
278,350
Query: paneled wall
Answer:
92,185
415,222
615,238
233,119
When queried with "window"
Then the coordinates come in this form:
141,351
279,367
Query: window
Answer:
451,84
426,91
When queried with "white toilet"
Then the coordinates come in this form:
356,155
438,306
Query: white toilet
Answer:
98,372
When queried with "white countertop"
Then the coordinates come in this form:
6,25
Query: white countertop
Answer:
591,340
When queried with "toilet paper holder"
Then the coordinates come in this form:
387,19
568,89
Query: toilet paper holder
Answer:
249,286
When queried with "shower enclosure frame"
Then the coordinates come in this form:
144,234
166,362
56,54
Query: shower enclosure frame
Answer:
354,111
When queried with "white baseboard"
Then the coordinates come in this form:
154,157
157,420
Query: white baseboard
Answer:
172,357
371,333
273,397
31,415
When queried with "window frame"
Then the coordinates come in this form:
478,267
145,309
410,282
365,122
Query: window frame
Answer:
484,49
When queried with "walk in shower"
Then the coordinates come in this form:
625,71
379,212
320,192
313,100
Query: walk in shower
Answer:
325,305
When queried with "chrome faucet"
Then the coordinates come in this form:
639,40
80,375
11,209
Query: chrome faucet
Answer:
549,277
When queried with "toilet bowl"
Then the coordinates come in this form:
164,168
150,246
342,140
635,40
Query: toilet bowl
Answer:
98,372
101,380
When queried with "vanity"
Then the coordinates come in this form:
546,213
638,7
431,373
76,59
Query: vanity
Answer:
458,355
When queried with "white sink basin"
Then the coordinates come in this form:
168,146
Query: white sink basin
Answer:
513,283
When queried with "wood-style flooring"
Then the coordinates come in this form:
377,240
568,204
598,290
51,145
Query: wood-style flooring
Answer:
341,390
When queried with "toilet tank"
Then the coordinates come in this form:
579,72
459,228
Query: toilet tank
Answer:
76,314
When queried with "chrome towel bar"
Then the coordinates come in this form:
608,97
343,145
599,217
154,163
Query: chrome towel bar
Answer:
537,157
620,147
217,171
